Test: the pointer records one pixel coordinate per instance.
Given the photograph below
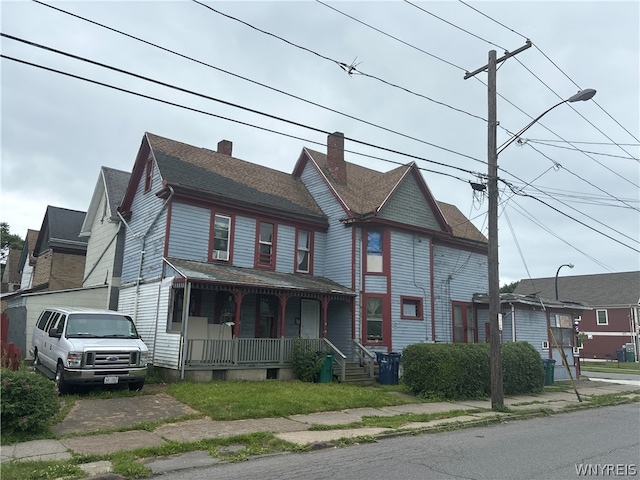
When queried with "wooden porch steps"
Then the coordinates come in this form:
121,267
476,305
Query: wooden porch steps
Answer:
357,375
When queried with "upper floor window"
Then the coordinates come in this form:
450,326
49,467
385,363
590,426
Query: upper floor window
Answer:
601,317
374,251
221,237
303,251
411,308
148,174
266,236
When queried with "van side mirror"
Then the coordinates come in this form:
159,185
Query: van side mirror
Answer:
55,333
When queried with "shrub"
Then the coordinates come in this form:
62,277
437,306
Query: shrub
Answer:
29,401
522,370
307,362
458,371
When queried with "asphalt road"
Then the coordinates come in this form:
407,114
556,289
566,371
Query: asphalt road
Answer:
622,378
599,441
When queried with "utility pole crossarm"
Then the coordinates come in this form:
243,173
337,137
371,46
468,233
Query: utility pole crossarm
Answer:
499,60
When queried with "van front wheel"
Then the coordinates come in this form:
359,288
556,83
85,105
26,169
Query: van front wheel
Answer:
61,384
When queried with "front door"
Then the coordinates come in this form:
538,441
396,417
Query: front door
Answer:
310,319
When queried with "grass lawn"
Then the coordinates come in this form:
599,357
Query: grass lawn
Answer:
610,367
239,400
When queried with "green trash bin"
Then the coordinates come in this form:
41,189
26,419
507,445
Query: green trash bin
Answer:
326,372
549,370
631,355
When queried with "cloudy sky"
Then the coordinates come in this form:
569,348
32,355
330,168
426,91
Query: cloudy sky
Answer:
569,189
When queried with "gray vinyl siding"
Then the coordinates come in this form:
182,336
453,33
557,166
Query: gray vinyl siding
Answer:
375,284
457,275
189,232
339,326
531,326
410,276
145,208
244,242
337,265
285,249
420,214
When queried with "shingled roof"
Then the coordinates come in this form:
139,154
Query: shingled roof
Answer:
598,290
232,180
60,229
367,189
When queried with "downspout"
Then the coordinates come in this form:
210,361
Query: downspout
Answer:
185,326
143,245
433,299
513,323
102,254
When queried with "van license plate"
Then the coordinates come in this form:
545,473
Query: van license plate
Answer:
110,380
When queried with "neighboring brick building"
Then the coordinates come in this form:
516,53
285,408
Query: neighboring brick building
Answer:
60,253
615,300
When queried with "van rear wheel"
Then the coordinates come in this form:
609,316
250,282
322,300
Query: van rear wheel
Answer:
61,384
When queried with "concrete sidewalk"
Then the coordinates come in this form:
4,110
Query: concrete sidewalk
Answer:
117,413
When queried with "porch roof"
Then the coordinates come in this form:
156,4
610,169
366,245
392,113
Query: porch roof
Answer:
216,273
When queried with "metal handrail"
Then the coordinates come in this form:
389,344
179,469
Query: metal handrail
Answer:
364,355
338,357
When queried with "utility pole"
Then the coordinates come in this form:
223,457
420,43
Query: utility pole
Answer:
497,391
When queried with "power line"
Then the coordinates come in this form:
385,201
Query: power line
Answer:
148,97
527,140
259,83
350,69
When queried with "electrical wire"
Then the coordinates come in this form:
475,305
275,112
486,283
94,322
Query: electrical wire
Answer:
258,83
526,140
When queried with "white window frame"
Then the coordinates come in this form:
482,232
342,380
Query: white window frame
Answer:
221,254
303,250
606,318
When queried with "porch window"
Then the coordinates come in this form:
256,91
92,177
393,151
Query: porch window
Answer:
601,317
303,257
464,326
266,326
374,319
265,245
374,251
411,308
563,330
221,236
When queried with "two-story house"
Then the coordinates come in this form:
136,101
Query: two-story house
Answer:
226,261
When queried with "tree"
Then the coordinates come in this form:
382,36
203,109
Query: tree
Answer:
8,241
509,288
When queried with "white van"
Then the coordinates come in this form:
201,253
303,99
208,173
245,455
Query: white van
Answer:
83,346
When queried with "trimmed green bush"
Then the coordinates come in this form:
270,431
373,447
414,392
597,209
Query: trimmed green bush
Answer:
522,370
459,371
307,362
29,401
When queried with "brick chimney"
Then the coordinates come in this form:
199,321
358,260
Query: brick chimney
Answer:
225,147
335,157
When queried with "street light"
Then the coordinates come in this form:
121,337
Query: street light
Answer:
570,265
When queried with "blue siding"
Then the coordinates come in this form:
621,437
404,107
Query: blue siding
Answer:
319,253
285,249
189,232
375,284
339,326
457,275
337,264
420,213
144,208
410,276
244,242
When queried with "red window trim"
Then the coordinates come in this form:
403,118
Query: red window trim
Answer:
386,243
148,174
272,263
386,320
465,320
420,309
295,253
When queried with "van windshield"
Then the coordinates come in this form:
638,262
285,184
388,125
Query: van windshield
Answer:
100,326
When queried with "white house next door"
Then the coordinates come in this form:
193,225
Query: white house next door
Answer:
310,319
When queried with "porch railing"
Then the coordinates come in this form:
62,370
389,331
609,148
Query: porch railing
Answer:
339,358
366,358
245,352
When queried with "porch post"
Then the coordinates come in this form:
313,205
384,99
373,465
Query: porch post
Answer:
238,294
283,307
185,326
325,307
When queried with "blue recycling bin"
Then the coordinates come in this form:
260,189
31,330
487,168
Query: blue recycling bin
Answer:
622,355
389,368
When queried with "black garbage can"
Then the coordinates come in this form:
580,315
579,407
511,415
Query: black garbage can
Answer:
549,366
622,355
389,368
